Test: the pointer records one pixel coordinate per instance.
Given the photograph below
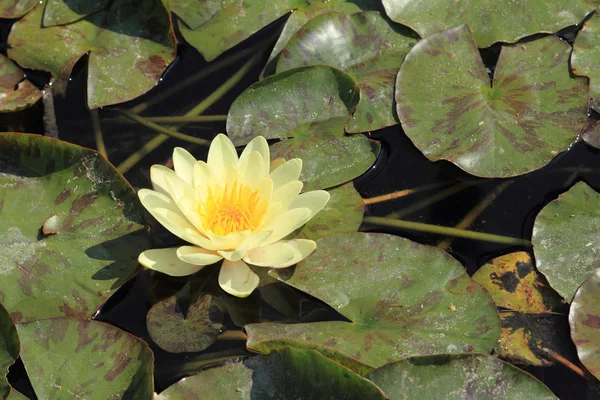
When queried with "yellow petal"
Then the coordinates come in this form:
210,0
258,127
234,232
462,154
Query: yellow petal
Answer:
231,241
250,243
252,169
260,145
286,194
286,223
237,279
157,176
183,163
281,254
203,175
314,201
184,197
289,171
221,155
197,255
167,262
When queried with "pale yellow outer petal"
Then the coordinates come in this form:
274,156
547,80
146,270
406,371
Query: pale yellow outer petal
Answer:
260,145
184,197
221,155
157,176
252,169
203,175
183,163
167,262
281,254
289,171
314,200
250,243
286,194
230,241
286,223
197,255
237,279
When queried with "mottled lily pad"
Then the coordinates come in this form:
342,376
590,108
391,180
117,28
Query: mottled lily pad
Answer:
15,8
62,12
194,12
492,21
591,133
284,374
343,213
533,110
177,331
566,239
366,46
9,349
586,57
403,299
514,283
16,92
130,45
457,377
70,228
308,105
71,358
584,319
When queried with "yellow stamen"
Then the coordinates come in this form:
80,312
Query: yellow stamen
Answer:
233,208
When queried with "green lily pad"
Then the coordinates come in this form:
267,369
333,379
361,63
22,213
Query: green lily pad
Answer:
403,299
130,45
70,228
584,319
62,12
307,11
194,12
586,57
284,374
514,283
308,105
533,110
343,213
491,21
71,358
16,93
471,376
566,237
177,332
16,8
367,47
591,133
9,349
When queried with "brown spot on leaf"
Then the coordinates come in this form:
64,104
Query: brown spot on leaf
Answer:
592,321
152,67
83,337
119,366
62,197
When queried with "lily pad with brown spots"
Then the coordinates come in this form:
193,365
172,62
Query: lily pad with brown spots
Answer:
130,45
492,21
70,228
194,12
457,377
16,8
307,106
584,319
586,57
287,373
16,92
591,132
566,239
532,111
401,298
514,283
62,12
68,358
367,47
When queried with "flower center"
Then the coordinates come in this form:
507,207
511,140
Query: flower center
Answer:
233,208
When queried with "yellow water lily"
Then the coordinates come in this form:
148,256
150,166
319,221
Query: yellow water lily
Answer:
230,208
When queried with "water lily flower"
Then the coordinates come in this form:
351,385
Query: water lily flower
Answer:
237,210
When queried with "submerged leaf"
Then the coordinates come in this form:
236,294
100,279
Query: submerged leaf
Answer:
16,92
566,239
533,110
586,57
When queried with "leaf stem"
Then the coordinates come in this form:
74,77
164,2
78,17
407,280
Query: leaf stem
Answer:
561,360
186,119
445,230
98,133
401,193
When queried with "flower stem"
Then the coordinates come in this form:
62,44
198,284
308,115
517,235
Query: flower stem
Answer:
98,133
401,193
445,230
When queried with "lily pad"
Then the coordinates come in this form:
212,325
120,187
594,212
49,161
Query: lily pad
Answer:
584,319
9,349
591,133
284,374
472,376
177,332
402,298
70,228
533,110
586,57
16,8
367,47
343,213
308,105
566,239
72,358
62,12
195,12
514,283
491,21
16,93
130,45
